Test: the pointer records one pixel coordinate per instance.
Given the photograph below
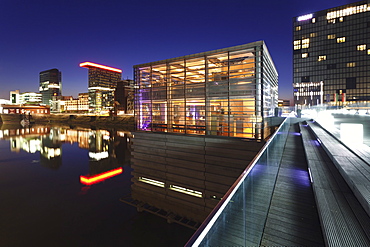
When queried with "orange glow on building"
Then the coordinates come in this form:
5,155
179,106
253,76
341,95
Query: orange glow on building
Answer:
95,65
100,177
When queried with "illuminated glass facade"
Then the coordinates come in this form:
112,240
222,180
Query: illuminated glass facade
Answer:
226,92
331,56
50,85
102,83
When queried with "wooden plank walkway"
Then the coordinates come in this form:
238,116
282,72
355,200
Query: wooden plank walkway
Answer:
344,221
293,218
354,170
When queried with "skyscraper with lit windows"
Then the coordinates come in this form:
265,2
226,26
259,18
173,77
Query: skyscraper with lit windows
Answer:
102,83
50,85
331,56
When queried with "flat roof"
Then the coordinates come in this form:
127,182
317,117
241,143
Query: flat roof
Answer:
231,48
99,66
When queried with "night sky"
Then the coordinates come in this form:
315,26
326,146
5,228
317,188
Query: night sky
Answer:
39,35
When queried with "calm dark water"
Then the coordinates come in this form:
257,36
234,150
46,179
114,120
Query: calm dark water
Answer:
43,201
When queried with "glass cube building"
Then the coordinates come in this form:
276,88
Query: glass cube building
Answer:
331,56
225,92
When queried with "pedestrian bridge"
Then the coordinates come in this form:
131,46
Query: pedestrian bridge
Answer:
305,188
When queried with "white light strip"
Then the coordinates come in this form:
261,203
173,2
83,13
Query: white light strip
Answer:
305,17
186,191
309,173
151,181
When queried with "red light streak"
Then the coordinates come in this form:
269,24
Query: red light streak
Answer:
90,64
100,177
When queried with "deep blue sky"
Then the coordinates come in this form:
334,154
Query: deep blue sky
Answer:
39,35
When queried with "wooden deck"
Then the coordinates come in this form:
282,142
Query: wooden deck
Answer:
293,218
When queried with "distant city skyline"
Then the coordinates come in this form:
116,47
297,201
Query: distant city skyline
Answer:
38,35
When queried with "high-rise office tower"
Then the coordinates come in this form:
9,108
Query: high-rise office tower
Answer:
50,85
102,83
331,56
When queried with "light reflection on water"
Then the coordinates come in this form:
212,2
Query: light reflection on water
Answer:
44,202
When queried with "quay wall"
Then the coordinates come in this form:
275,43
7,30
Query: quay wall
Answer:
124,121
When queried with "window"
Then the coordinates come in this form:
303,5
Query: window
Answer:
322,58
351,83
313,20
305,43
297,44
351,65
368,52
331,36
304,55
313,35
305,79
361,47
341,40
298,28
331,66
341,19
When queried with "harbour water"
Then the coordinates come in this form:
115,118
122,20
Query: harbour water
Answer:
61,186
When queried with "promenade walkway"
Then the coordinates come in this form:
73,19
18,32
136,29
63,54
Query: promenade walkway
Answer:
293,218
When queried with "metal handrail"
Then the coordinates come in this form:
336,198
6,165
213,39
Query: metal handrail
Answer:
198,236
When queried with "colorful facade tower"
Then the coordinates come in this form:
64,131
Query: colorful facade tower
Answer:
102,83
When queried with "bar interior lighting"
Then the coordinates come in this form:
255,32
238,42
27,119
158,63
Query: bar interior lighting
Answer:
100,177
90,64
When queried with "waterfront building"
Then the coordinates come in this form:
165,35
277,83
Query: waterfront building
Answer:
25,98
80,105
58,103
102,83
331,51
14,97
225,92
25,109
50,85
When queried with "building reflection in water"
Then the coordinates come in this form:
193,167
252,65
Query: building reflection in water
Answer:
182,178
108,150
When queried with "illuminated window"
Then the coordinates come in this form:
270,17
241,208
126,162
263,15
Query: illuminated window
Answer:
313,20
331,36
341,40
304,55
341,19
351,65
298,28
313,35
361,47
321,58
331,21
305,43
347,11
368,52
297,44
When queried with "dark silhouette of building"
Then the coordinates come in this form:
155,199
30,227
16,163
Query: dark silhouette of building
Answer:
124,97
50,85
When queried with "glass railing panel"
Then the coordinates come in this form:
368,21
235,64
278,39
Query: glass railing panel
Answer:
239,218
